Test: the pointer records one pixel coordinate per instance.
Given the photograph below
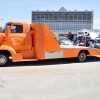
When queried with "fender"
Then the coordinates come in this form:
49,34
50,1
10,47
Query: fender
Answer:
15,56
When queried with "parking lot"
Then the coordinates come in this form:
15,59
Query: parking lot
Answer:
62,79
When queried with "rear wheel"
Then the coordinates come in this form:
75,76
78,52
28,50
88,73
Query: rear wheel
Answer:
82,56
4,59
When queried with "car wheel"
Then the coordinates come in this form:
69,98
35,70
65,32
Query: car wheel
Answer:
4,59
82,56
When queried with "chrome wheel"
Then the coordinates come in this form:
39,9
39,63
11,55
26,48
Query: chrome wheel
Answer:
82,57
3,60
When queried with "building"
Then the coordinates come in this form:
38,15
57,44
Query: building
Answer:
64,20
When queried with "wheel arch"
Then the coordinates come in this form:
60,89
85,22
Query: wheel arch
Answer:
7,49
82,55
86,51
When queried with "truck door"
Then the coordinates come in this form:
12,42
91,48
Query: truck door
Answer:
16,37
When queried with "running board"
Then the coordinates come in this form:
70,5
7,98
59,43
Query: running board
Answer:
25,60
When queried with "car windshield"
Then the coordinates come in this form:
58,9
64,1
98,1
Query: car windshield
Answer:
63,40
3,30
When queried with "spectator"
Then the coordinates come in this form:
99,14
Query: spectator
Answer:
75,39
91,44
70,36
88,37
87,40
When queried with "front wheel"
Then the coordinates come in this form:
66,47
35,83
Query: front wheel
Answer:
4,59
82,56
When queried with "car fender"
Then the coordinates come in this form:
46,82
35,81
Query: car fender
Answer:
8,48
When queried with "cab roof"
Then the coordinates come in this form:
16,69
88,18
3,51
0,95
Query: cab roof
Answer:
17,22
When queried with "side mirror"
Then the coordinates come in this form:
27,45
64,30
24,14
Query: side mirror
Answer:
7,31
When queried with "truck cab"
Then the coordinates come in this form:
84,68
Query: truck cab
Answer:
18,37
15,40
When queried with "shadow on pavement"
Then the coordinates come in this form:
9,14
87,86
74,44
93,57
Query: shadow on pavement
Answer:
51,62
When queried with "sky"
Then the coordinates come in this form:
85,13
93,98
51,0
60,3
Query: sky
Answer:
20,10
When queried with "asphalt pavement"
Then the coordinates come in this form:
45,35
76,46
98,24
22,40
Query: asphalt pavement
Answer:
61,79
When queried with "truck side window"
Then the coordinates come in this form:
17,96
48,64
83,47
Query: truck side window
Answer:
17,29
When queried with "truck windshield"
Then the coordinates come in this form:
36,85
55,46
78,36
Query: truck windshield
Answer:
3,30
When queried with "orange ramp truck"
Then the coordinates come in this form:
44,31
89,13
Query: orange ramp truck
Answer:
31,42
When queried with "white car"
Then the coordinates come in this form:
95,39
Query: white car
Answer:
64,40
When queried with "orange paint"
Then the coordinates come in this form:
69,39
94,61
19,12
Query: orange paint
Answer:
37,42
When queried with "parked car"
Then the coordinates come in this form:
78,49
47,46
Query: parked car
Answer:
97,43
63,40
